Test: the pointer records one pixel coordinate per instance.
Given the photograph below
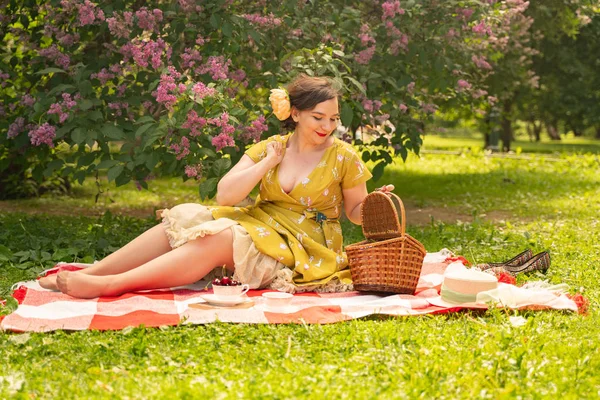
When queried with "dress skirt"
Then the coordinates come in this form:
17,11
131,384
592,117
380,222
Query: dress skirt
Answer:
190,221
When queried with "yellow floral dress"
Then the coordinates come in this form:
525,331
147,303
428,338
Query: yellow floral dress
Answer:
301,228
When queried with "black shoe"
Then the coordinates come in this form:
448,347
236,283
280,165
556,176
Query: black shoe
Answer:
514,262
539,262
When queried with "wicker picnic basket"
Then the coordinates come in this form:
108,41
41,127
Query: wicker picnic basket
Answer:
389,260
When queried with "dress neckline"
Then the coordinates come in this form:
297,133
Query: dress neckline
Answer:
325,154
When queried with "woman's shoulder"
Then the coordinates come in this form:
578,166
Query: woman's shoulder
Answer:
259,150
276,138
344,148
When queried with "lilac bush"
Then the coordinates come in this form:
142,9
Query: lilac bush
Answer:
181,88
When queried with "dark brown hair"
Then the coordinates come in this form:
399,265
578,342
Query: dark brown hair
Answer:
307,91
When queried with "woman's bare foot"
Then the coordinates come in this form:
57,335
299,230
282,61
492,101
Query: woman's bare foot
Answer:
84,286
49,282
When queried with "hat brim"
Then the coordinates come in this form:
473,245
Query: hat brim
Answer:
439,302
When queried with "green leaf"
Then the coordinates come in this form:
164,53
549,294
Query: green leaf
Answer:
255,35
86,159
221,166
80,176
378,171
78,135
152,160
150,139
5,253
215,21
347,114
114,172
384,154
207,152
50,70
208,188
227,29
366,156
95,115
144,119
60,88
85,105
63,130
140,131
86,88
107,164
53,166
112,131
122,179
358,85
403,153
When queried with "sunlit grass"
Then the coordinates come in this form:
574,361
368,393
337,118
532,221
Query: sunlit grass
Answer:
566,145
549,205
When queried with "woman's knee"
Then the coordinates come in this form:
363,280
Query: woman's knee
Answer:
217,247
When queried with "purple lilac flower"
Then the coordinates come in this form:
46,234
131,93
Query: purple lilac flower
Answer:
149,20
120,25
28,100
201,91
222,140
216,66
43,134
16,127
194,123
481,62
62,108
182,149
267,22
194,171
52,53
365,56
390,9
463,85
253,132
86,13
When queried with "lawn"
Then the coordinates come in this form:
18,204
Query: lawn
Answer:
503,205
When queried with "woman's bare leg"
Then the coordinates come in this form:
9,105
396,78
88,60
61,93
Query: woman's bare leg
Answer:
181,266
149,245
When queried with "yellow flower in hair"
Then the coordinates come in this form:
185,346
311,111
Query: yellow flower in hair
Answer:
280,101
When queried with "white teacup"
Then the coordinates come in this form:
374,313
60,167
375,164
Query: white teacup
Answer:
230,291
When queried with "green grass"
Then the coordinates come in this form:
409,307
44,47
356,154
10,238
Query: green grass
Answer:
552,205
546,146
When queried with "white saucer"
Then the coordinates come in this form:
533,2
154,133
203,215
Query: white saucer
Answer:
225,301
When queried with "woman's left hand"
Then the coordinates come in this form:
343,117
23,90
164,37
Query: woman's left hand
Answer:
385,189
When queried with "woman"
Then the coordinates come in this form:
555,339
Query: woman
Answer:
290,239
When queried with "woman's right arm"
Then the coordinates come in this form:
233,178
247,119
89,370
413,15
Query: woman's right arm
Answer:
245,175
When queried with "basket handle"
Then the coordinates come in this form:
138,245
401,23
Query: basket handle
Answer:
400,208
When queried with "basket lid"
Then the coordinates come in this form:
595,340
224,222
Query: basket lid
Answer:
380,216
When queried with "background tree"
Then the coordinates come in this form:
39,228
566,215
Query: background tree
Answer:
181,88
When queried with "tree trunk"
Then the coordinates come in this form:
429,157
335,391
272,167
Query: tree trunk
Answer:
537,130
534,130
530,130
506,133
576,131
552,128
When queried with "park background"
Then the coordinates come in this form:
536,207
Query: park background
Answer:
485,115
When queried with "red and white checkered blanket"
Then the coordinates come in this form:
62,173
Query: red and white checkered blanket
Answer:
42,310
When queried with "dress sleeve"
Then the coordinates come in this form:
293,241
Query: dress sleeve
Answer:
258,151
355,171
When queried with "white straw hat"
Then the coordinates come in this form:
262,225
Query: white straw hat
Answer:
460,288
